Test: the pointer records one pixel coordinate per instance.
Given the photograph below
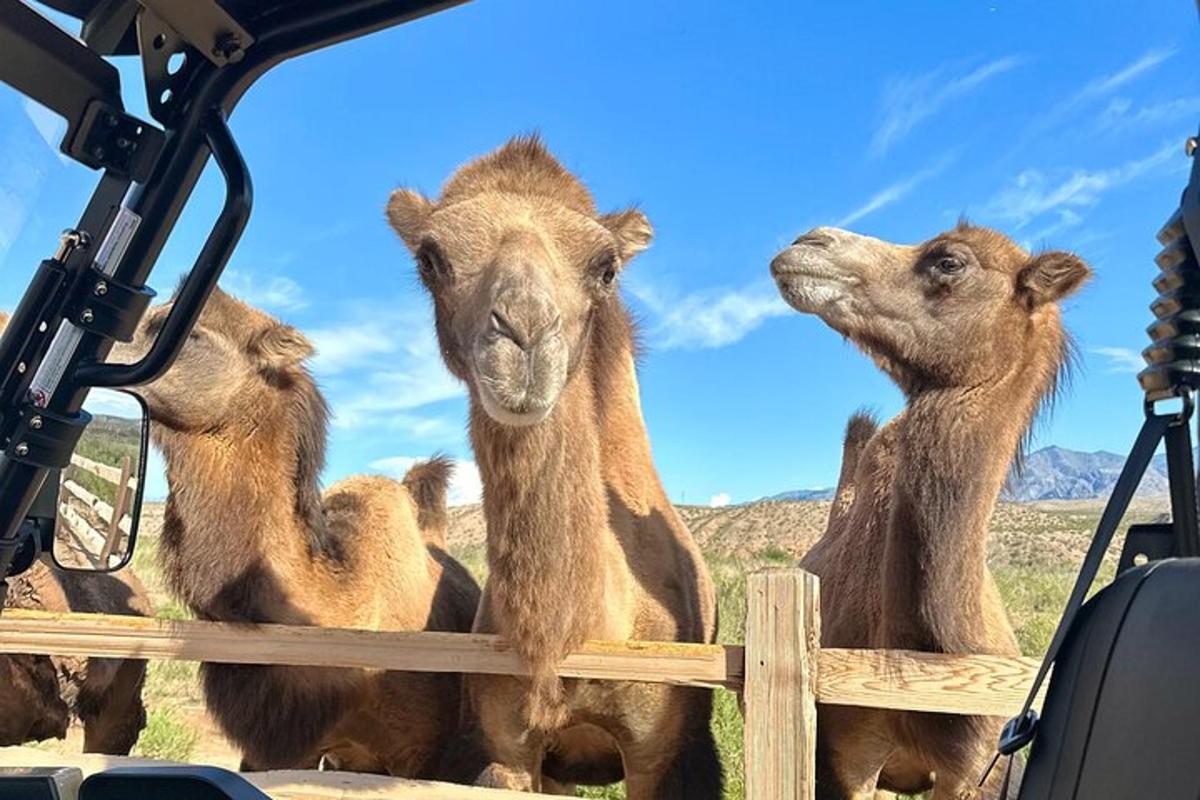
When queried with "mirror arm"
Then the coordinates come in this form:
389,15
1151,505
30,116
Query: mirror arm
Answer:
202,278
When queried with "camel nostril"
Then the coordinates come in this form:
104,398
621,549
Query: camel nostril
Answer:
501,327
814,238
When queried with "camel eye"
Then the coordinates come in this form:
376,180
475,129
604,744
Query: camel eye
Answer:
950,265
605,269
430,262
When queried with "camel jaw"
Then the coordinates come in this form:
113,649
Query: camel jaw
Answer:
809,281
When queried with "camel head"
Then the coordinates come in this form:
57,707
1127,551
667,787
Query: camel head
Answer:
234,362
516,259
958,310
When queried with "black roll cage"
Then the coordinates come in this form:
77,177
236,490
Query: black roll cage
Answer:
96,282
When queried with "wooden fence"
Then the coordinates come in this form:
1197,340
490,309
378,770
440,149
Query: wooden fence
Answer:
97,529
781,671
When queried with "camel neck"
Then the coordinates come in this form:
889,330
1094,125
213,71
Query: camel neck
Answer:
955,448
544,501
227,529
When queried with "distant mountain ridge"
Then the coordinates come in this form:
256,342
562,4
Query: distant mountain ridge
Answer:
1051,473
825,493
1058,473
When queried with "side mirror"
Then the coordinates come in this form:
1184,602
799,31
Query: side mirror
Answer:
100,493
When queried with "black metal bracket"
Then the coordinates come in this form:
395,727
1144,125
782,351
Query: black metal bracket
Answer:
206,26
1173,360
45,439
108,138
105,306
192,295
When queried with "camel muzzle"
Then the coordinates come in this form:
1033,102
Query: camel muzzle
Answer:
520,358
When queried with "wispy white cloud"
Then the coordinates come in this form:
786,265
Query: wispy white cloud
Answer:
1033,194
382,368
1121,359
896,191
909,100
719,500
466,486
710,318
1107,84
1097,89
1120,114
269,292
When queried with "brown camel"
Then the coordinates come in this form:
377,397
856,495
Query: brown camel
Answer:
967,325
248,537
41,694
582,541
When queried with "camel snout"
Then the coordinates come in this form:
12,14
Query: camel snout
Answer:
520,356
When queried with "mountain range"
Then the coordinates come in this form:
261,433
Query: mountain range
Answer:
1052,473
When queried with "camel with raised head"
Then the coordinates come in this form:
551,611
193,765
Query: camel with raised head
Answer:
582,542
41,694
968,326
249,537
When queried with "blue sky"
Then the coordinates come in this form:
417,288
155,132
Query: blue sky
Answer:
1061,123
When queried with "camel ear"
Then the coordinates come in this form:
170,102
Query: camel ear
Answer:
631,229
279,347
1051,276
3,320
408,211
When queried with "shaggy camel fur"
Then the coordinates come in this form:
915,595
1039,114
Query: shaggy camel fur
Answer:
41,693
248,537
582,541
967,325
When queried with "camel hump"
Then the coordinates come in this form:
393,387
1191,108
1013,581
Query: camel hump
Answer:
861,427
427,482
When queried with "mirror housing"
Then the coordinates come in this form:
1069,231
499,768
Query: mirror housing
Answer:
99,495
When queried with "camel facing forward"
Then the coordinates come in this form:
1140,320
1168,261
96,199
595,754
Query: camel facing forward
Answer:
967,325
248,537
582,542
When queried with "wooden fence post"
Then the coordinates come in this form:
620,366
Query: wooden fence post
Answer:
120,502
783,639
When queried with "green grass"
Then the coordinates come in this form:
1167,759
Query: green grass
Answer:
165,737
106,441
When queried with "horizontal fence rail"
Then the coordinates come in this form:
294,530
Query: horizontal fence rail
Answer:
895,679
110,636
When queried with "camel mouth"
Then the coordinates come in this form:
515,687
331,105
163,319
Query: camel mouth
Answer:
521,417
807,279
519,387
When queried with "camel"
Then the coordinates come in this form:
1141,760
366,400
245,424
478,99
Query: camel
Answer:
42,694
967,324
582,542
248,537
45,693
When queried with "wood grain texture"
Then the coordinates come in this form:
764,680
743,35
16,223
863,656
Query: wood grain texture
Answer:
194,640
103,471
782,641
282,785
899,679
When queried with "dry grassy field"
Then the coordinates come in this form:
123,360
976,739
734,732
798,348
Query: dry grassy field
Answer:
1034,551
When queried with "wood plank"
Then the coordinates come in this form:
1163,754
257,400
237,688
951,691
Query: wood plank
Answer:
87,540
100,508
103,471
782,638
899,679
194,640
281,785
114,535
